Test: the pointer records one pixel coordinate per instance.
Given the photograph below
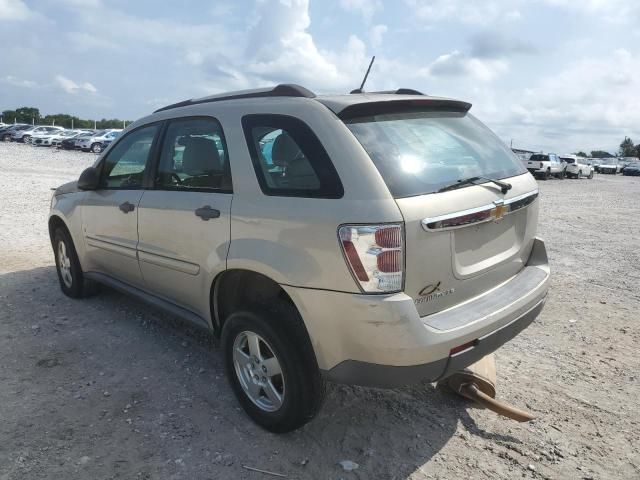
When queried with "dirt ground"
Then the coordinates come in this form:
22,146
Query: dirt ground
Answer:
108,388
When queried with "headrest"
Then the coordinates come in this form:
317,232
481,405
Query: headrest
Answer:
200,156
284,150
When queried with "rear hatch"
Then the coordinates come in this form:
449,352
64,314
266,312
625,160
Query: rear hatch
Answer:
534,161
464,234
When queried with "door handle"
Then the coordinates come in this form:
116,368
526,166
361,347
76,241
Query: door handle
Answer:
127,207
206,212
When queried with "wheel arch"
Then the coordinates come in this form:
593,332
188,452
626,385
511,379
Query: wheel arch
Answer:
236,287
55,222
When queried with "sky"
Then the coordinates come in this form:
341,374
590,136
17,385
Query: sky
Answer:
552,75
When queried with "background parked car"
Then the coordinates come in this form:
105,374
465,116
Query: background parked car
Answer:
609,165
624,161
52,139
95,143
26,134
5,133
544,165
632,169
577,166
72,143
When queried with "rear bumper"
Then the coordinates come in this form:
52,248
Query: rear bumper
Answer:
381,341
386,376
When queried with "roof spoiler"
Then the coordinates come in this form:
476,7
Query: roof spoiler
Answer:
365,109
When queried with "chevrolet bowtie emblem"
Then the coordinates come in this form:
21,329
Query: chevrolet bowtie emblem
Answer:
499,211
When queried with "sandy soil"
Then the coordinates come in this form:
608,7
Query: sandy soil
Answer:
107,388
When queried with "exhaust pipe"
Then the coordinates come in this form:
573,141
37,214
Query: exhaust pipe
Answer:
477,382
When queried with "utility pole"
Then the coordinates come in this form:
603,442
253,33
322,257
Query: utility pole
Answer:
71,123
95,125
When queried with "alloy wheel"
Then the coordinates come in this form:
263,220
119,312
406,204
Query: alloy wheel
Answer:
258,371
64,264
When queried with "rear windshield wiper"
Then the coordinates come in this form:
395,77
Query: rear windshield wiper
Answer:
504,186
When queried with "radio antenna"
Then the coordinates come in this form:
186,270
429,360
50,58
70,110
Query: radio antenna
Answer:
364,80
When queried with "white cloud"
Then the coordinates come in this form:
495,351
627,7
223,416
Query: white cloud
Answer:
367,8
587,105
282,49
459,64
618,11
18,82
376,33
466,11
13,10
70,86
82,3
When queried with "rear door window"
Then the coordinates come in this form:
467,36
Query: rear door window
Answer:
288,158
420,152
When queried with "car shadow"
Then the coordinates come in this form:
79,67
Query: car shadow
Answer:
141,394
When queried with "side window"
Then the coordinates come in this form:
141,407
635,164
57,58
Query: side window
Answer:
125,164
194,157
288,158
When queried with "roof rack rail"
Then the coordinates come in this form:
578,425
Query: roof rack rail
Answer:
399,91
282,90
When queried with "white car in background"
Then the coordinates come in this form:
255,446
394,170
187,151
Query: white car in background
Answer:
25,135
53,139
577,166
609,165
95,143
546,165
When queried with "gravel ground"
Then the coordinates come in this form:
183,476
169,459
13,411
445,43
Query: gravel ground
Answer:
107,388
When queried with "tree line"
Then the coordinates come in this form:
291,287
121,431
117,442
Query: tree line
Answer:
32,115
627,149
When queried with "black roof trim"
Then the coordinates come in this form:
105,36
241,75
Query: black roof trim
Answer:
366,109
282,90
399,91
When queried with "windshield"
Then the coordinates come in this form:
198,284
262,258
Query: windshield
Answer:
609,161
420,152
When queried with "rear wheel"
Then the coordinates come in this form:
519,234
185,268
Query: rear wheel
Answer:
579,174
546,175
590,175
271,367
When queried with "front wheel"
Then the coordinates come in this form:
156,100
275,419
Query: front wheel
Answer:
271,367
96,148
72,281
26,139
590,175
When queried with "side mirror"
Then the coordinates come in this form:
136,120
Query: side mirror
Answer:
89,179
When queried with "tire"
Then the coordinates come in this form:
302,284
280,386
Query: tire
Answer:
25,139
590,175
579,174
281,336
96,147
70,276
546,175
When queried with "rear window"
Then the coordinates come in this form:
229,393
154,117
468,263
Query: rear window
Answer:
568,160
420,152
539,158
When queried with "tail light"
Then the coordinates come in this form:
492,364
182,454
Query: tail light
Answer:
375,256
